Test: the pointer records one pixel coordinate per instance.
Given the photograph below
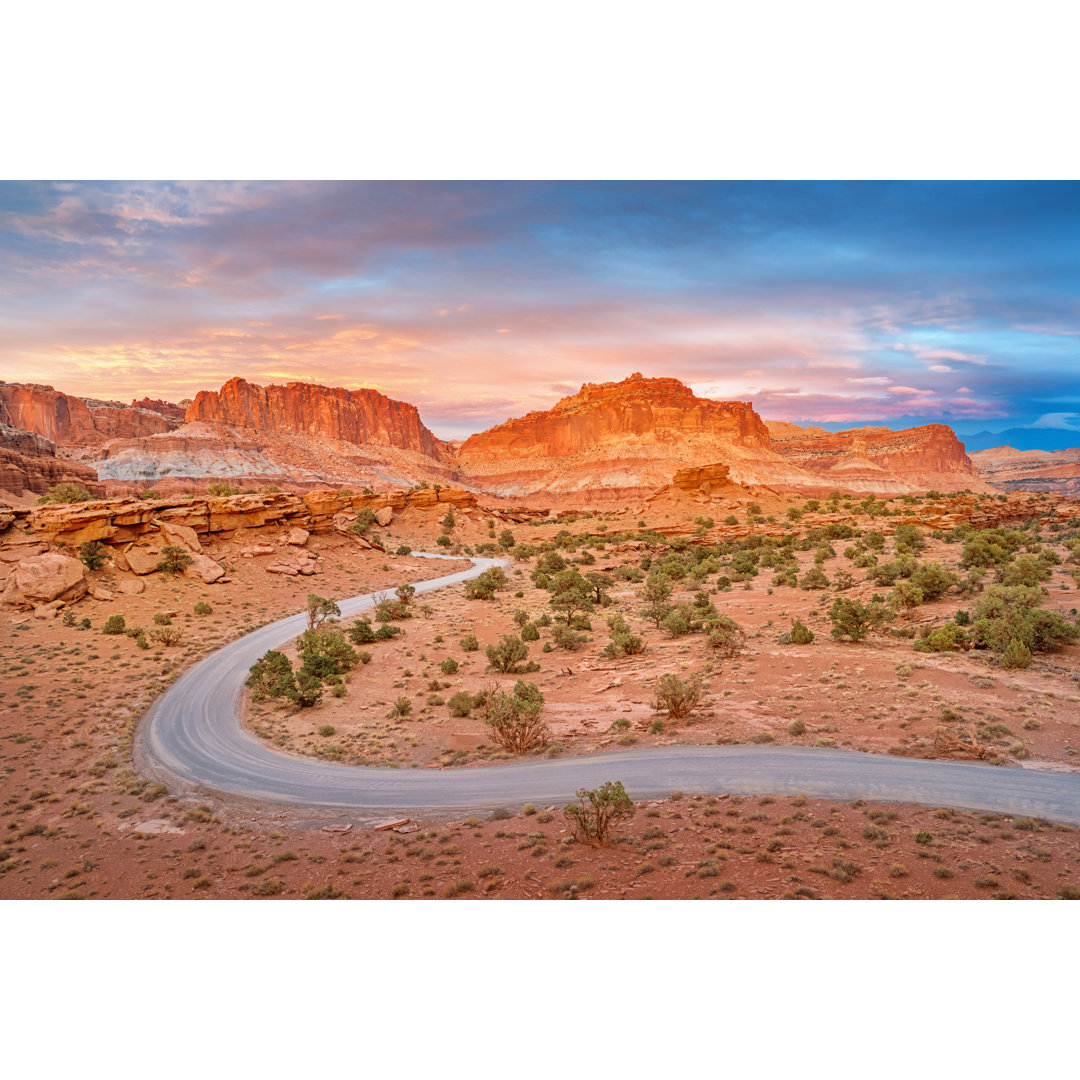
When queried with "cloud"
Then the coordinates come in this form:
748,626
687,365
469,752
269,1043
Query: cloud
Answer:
1065,421
909,390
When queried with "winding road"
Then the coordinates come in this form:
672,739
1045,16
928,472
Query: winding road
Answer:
192,736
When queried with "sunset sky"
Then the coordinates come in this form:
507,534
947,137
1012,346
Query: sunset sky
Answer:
827,303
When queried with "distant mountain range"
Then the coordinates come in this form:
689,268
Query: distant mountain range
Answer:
1023,438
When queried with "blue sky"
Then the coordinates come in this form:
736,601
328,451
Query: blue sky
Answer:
830,303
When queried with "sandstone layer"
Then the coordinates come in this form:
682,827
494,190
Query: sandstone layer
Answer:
1007,469
353,416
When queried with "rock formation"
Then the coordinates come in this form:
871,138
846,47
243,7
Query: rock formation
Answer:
353,416
42,579
878,459
1007,469
632,434
29,465
73,421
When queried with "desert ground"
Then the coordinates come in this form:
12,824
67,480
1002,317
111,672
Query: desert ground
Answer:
81,822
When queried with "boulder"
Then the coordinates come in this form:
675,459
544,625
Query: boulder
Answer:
384,515
98,593
44,578
132,586
203,568
297,537
282,568
180,536
142,560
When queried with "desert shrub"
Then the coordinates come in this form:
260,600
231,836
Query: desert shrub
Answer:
365,519
566,638
814,578
271,676
943,639
325,652
203,608
449,666
933,580
801,634
361,632
66,492
623,641
1005,613
469,643
167,635
401,708
597,811
506,539
508,655
797,727
676,696
161,619
908,537
460,704
1016,655
403,549
444,541
174,560
114,624
530,632
93,554
854,620
515,718
905,596
726,636
218,489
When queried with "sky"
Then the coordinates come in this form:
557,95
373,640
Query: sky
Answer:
830,303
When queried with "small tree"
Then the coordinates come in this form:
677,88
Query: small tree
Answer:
271,676
906,597
365,518
508,656
592,818
506,539
114,624
1016,655
93,554
726,636
174,560
851,619
448,521
801,634
405,593
319,609
514,718
678,697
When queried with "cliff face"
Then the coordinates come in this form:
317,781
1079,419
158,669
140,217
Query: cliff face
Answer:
29,465
627,435
879,459
173,411
1030,470
72,421
352,416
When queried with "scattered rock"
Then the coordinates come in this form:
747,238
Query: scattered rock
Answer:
297,537
179,536
342,827
132,586
384,515
48,611
44,578
98,593
153,827
282,568
393,824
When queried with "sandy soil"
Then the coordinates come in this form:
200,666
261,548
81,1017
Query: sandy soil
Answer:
79,821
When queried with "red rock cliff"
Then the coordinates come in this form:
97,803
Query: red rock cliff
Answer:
607,412
355,416
29,465
72,421
922,457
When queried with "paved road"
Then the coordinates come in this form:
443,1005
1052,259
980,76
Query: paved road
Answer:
192,735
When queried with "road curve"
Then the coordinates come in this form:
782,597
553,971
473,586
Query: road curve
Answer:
192,734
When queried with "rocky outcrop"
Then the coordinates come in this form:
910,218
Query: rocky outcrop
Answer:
878,459
703,479
124,521
43,579
72,421
627,435
170,410
29,465
352,416
1007,469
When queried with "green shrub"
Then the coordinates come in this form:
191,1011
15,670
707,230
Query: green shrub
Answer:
401,708
943,639
593,817
854,620
509,655
174,560
219,489
801,634
469,643
65,493
449,666
114,624
203,608
1016,655
678,697
515,719
93,554
460,704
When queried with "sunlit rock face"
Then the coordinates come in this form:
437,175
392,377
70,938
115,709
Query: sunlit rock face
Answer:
353,416
73,421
